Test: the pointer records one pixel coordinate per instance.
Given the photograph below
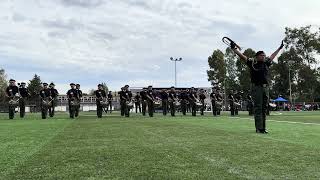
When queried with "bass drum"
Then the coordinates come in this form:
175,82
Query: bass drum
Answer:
130,104
104,104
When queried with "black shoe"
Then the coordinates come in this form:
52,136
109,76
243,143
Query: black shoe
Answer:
265,131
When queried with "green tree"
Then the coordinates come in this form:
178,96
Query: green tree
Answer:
34,87
3,85
232,81
217,72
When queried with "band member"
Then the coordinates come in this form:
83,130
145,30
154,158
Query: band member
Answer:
202,98
183,99
193,100
172,101
125,100
137,102
122,99
100,98
237,99
259,70
110,99
54,95
12,92
79,96
164,98
250,104
46,100
144,98
24,93
219,99
150,101
213,98
188,103
73,100
231,102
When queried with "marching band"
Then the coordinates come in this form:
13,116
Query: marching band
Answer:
147,100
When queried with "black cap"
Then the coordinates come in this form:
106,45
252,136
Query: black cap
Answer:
77,84
51,84
12,80
100,85
22,83
126,86
45,84
172,86
72,84
149,86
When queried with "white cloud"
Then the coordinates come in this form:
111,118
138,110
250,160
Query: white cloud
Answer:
128,40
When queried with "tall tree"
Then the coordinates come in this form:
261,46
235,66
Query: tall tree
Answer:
3,85
34,87
232,81
217,72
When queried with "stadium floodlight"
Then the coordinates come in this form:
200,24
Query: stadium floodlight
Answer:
175,69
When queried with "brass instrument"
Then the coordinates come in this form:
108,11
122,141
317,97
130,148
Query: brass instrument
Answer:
229,42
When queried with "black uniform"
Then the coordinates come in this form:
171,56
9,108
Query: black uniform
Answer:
183,99
213,98
72,96
54,95
24,93
125,97
79,96
110,98
150,102
100,95
231,102
172,98
11,91
238,101
137,103
202,98
144,102
193,99
164,98
45,95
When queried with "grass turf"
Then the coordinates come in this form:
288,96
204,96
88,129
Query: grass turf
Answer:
160,147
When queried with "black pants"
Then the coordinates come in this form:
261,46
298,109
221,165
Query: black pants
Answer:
77,109
11,112
232,109
165,107
124,109
214,108
51,108
109,105
172,108
150,108
202,108
72,110
44,111
193,108
144,107
22,105
99,109
184,106
138,106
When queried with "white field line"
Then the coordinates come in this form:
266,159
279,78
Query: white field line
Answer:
289,122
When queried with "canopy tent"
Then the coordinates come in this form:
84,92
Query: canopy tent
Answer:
280,99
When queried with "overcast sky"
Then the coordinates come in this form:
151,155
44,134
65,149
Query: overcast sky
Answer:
130,41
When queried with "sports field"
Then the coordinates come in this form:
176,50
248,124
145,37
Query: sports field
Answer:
160,148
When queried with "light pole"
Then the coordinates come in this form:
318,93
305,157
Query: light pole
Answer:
175,69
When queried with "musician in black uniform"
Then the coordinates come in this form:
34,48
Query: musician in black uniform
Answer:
231,102
100,96
122,99
250,105
193,99
150,101
125,98
144,98
46,100
12,92
213,98
202,98
172,100
72,98
24,93
237,99
188,103
54,95
110,99
137,102
164,98
219,99
183,99
79,96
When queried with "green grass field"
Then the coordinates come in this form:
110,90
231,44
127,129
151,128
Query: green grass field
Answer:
160,148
